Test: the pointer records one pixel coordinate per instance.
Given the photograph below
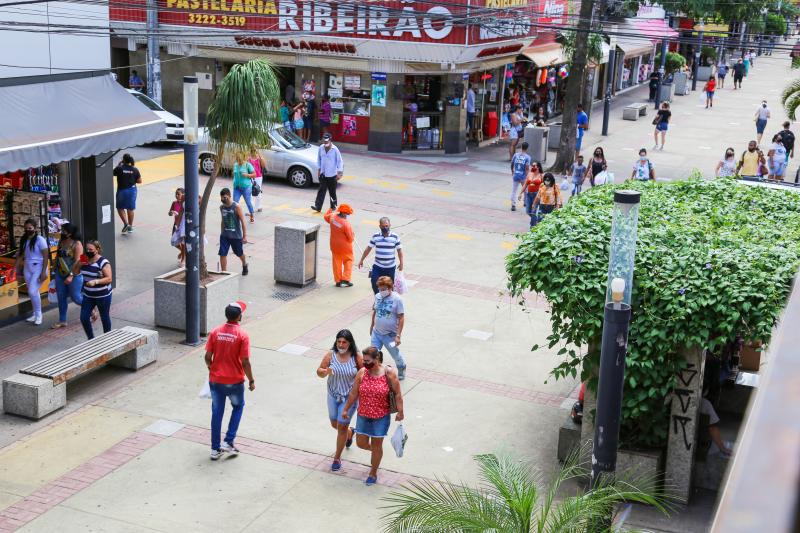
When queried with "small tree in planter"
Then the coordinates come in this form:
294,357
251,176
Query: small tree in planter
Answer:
244,108
708,55
674,63
714,259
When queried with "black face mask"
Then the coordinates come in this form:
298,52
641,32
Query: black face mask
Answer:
90,255
385,231
30,232
369,365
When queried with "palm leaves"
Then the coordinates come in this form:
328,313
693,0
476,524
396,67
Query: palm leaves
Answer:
790,98
513,499
244,109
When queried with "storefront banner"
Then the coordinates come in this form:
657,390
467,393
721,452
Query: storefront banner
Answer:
349,126
379,95
335,92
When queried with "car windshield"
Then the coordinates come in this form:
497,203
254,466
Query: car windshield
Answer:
287,139
151,105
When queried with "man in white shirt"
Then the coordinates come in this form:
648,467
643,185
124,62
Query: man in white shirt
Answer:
470,109
331,168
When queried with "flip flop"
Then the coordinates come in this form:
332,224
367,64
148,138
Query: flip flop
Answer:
58,325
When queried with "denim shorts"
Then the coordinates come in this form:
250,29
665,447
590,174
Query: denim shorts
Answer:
373,427
126,198
336,408
777,169
662,126
226,244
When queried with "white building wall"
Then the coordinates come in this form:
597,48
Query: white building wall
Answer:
35,51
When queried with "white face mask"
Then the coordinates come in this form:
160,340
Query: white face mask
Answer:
384,293
341,350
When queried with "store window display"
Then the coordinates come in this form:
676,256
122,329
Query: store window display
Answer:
350,105
423,113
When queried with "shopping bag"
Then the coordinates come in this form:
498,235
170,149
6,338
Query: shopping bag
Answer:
565,185
52,295
601,178
175,240
399,439
205,392
400,284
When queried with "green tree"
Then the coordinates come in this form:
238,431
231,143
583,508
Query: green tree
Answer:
572,96
674,63
776,24
514,499
244,108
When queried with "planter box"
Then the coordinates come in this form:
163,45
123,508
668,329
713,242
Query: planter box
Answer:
170,299
703,73
667,92
640,463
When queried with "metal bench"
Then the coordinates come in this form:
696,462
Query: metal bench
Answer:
41,388
634,111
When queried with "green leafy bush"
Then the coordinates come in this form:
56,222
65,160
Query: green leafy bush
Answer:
714,259
674,62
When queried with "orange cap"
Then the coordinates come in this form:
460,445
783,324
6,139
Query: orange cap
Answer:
345,209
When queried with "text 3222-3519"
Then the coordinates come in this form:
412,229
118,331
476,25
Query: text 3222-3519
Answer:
222,20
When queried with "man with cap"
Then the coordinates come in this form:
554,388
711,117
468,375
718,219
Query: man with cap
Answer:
228,362
342,238
331,168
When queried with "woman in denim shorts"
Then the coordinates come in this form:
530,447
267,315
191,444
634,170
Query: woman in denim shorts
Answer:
340,365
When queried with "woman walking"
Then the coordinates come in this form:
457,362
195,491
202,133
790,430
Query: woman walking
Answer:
340,366
176,212
516,128
531,187
96,288
762,115
662,124
258,163
549,197
243,174
68,278
727,165
33,260
371,389
325,115
597,165
297,120
776,159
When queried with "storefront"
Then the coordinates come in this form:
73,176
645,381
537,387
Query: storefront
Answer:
396,72
637,62
541,70
60,133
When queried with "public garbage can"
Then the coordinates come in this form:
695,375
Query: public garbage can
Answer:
536,137
554,137
490,125
296,253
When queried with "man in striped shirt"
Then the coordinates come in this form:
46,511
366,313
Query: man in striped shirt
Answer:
387,245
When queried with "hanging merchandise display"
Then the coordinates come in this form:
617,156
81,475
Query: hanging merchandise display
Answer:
563,72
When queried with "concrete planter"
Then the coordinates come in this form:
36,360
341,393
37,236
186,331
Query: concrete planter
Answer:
554,136
703,73
637,463
667,92
170,298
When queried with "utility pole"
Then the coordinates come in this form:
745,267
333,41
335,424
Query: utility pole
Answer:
661,71
153,55
696,65
191,212
610,68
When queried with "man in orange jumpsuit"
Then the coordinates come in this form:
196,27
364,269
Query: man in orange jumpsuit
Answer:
342,238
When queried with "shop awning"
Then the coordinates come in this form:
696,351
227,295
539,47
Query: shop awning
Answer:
654,28
632,47
545,55
46,123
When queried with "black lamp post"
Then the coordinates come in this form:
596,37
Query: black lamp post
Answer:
191,185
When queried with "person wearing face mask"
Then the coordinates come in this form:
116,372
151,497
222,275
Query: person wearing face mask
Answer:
340,366
597,165
727,165
32,262
643,169
331,169
776,158
762,115
69,281
548,199
751,163
388,320
387,244
342,238
371,390
96,272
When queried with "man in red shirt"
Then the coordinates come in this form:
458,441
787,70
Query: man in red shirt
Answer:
228,361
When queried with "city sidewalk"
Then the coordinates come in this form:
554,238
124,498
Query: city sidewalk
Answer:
130,450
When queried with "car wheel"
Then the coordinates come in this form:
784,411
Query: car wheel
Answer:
207,164
299,177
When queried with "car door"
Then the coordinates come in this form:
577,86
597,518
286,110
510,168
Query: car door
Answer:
276,159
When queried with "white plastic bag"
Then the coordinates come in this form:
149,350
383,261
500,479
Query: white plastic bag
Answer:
601,178
399,439
52,295
205,391
565,185
400,284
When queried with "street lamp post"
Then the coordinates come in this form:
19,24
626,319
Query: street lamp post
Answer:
610,68
661,71
696,65
191,211
616,318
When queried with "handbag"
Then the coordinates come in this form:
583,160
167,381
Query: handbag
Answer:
392,398
256,188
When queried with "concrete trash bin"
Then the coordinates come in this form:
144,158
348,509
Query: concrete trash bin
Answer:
296,253
536,137
554,136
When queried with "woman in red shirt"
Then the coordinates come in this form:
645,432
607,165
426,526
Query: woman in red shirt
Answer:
371,389
711,86
531,186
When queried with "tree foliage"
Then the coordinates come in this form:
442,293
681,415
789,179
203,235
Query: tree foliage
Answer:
715,259
674,63
594,50
514,499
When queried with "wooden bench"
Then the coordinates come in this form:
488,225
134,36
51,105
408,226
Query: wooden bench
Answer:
41,388
634,111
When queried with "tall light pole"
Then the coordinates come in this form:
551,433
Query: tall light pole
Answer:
696,65
191,212
616,319
610,68
661,71
153,53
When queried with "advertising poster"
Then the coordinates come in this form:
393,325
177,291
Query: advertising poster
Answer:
349,126
309,90
379,95
352,82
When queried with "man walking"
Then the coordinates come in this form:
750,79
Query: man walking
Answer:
751,163
583,125
738,74
127,177
228,362
342,238
331,167
722,71
520,166
788,140
388,319
386,244
233,231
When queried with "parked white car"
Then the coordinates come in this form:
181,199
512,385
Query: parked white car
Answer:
174,123
289,157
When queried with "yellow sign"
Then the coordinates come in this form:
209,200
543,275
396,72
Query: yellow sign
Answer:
260,7
506,3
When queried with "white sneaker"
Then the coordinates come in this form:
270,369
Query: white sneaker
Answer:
655,147
229,448
215,454
31,318
38,320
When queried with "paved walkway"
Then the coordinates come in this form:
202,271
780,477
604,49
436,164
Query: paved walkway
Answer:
130,450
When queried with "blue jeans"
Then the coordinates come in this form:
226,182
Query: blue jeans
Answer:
387,341
576,188
64,291
103,308
529,198
219,393
247,192
378,271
